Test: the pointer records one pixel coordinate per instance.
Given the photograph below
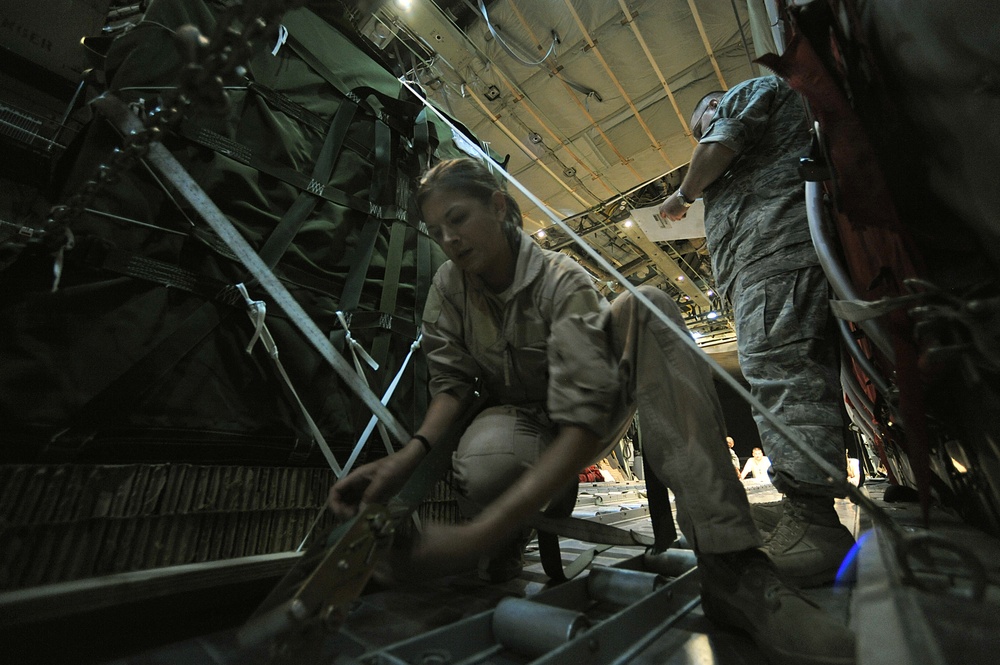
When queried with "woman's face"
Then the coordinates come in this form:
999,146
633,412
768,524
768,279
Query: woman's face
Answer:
471,234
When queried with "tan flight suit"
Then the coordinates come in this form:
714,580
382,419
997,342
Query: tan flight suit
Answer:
550,350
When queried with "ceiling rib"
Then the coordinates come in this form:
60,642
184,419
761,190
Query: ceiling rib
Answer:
708,45
495,119
545,126
614,79
442,22
630,19
563,143
590,119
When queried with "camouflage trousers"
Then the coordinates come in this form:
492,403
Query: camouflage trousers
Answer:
788,352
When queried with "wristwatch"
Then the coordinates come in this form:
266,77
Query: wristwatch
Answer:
685,201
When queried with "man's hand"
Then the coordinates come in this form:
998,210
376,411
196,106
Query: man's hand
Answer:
672,208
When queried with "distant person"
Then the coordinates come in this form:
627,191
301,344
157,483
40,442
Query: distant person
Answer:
732,453
757,466
853,469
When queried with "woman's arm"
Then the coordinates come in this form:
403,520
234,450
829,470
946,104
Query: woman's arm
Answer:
378,481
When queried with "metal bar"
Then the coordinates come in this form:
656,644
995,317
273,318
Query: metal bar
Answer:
620,637
614,639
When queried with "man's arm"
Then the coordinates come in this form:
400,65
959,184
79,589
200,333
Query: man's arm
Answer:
709,161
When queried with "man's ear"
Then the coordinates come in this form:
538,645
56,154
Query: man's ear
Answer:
499,201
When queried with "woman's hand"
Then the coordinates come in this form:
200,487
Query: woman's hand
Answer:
445,550
373,483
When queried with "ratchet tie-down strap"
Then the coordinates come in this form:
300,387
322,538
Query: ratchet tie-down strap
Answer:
167,165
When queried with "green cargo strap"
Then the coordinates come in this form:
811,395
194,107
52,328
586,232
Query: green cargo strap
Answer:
362,320
548,541
423,286
390,285
422,141
281,102
393,112
159,272
245,155
365,246
283,234
661,516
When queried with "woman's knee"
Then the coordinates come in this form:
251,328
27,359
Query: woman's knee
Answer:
494,451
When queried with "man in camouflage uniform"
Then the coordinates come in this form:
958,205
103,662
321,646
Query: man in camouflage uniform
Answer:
745,166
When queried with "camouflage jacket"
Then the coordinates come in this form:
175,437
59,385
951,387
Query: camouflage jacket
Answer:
541,344
755,216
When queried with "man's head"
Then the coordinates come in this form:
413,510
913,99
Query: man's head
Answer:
704,111
730,442
758,453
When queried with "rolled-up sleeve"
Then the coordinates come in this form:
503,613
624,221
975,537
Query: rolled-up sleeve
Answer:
583,374
451,367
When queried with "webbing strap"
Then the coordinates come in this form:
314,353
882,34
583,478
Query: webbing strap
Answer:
257,310
245,155
281,237
588,531
287,106
422,288
390,287
548,541
119,261
373,421
662,517
422,140
365,246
